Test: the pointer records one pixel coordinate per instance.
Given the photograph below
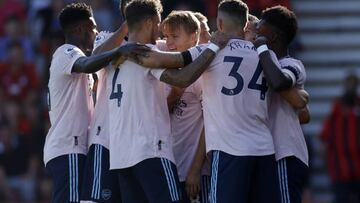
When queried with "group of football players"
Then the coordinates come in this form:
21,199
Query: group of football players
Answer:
191,117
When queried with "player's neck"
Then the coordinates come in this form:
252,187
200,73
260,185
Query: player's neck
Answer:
76,42
139,37
281,52
238,34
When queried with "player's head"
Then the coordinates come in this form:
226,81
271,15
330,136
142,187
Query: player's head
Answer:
278,24
144,16
122,6
181,30
232,16
250,30
77,22
205,35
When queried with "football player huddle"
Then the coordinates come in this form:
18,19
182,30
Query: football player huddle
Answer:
177,114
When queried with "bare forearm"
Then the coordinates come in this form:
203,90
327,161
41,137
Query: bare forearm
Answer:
200,155
94,63
295,97
274,76
190,73
158,59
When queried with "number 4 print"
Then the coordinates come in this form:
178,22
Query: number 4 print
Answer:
118,94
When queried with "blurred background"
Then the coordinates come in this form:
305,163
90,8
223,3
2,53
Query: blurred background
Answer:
328,43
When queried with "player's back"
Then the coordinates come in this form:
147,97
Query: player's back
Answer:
235,99
140,123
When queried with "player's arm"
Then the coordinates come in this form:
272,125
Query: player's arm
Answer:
192,71
277,79
297,98
304,115
114,41
194,175
94,63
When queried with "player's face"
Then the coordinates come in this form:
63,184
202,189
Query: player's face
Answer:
205,34
89,33
178,39
155,28
265,29
250,31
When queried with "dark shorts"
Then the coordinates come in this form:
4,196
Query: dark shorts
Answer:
99,183
244,179
66,172
293,175
153,180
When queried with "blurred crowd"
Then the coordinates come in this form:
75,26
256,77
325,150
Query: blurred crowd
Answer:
29,34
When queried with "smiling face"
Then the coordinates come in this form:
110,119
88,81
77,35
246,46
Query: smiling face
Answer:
177,39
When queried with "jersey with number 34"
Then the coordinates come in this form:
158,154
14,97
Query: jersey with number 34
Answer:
235,101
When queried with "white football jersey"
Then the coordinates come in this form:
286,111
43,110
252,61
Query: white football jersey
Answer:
99,128
235,101
139,116
186,125
288,136
70,105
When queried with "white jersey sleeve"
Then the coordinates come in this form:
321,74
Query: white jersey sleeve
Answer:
295,69
197,50
155,72
101,38
70,54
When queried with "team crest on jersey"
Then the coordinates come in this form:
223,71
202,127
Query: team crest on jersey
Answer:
70,51
178,108
106,194
99,37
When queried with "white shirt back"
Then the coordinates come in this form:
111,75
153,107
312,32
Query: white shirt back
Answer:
139,116
235,102
70,105
285,127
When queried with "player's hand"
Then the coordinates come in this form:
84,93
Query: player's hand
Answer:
220,39
192,184
130,51
260,40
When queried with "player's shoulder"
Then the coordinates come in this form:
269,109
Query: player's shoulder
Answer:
66,50
102,36
290,61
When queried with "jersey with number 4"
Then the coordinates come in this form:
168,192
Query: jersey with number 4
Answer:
139,116
235,102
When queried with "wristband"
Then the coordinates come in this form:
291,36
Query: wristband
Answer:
262,48
213,47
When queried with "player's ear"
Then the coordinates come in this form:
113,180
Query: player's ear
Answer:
194,37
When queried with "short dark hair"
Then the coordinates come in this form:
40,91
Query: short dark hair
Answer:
139,10
283,19
122,6
236,9
73,13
